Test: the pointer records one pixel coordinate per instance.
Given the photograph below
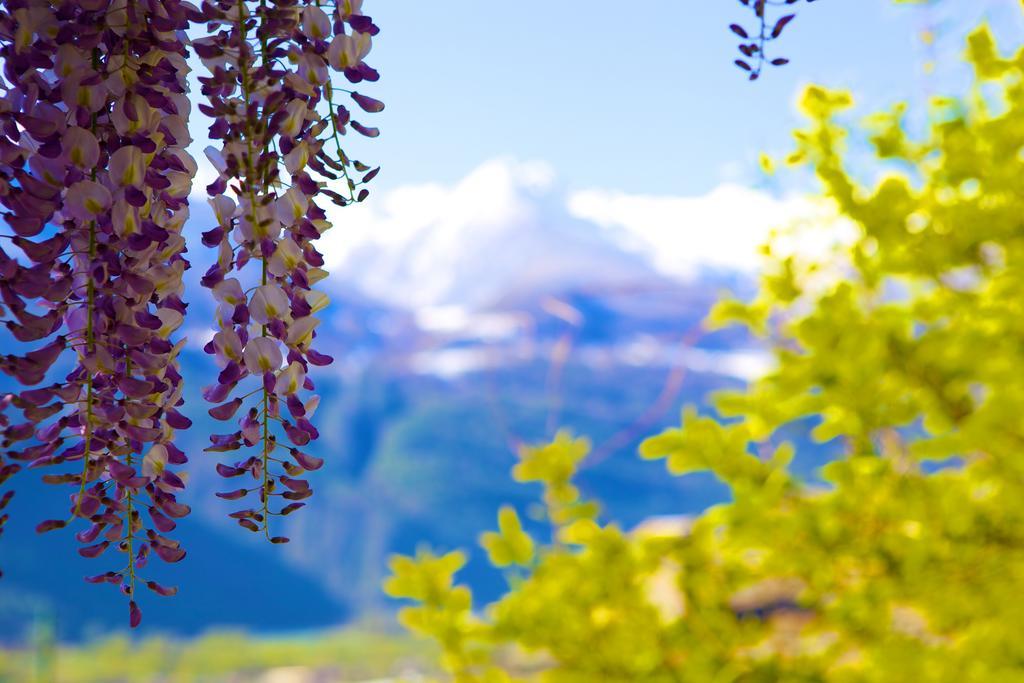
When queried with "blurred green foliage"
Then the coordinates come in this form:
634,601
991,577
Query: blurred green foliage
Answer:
904,342
350,655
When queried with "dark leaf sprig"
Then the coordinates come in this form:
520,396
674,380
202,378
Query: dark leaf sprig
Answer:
771,17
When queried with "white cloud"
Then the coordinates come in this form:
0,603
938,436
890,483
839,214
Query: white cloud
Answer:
500,231
722,229
456,321
645,350
488,195
747,365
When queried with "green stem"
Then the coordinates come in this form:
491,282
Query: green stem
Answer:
342,158
250,181
329,91
130,518
90,348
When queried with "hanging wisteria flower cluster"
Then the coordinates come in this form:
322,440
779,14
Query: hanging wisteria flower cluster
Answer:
95,180
270,91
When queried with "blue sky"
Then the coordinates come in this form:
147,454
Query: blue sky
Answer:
638,96
629,117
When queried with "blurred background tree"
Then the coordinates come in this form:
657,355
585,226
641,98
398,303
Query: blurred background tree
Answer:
902,343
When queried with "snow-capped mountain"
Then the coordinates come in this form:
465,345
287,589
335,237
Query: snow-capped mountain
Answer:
465,320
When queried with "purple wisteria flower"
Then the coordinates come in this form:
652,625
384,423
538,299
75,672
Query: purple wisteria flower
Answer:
94,185
270,92
94,180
